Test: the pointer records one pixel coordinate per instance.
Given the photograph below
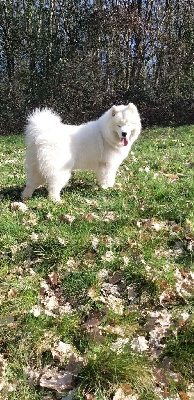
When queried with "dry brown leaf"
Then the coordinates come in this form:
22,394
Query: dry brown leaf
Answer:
65,353
132,295
115,278
185,283
127,388
113,330
92,322
120,395
116,304
177,228
140,344
91,254
53,278
188,226
158,325
109,216
51,302
190,390
160,376
12,293
62,241
92,326
95,334
56,380
102,275
168,298
91,202
152,224
90,217
33,375
189,242
108,256
67,218
108,240
61,351
108,288
31,221
172,177
19,206
89,396
49,216
72,264
183,396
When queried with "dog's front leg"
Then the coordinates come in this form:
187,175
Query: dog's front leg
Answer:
105,175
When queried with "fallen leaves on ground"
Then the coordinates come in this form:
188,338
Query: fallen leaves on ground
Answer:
140,344
158,325
121,395
109,216
53,377
90,216
108,256
171,177
51,302
53,278
152,224
92,202
5,386
184,288
56,380
67,218
185,283
19,206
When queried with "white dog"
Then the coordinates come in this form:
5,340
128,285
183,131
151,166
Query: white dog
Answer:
55,149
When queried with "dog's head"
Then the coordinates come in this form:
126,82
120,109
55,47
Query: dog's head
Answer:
126,123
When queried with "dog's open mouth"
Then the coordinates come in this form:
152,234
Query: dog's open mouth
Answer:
124,141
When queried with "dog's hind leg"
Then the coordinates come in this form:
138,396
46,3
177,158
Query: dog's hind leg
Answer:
34,180
56,183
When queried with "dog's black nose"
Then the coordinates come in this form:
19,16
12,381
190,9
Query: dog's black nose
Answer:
124,134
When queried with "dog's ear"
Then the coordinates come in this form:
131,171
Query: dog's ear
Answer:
132,108
114,110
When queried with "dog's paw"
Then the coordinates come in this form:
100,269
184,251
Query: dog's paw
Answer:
106,186
55,199
24,195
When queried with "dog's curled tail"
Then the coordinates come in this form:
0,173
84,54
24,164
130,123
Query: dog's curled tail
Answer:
41,121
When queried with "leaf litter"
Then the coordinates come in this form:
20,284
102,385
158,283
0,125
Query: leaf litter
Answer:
51,301
159,320
57,378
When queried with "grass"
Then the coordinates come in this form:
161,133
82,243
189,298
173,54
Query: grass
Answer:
126,254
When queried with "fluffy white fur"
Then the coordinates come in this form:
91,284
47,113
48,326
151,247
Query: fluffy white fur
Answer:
55,149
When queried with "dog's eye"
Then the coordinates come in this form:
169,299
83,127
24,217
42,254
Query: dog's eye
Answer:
119,126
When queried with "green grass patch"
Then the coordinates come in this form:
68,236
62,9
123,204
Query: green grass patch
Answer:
115,282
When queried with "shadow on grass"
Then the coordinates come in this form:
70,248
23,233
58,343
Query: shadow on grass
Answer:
13,193
78,186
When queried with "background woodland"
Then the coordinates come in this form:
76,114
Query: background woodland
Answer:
80,57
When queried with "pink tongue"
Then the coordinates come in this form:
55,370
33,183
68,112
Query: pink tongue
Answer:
124,141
